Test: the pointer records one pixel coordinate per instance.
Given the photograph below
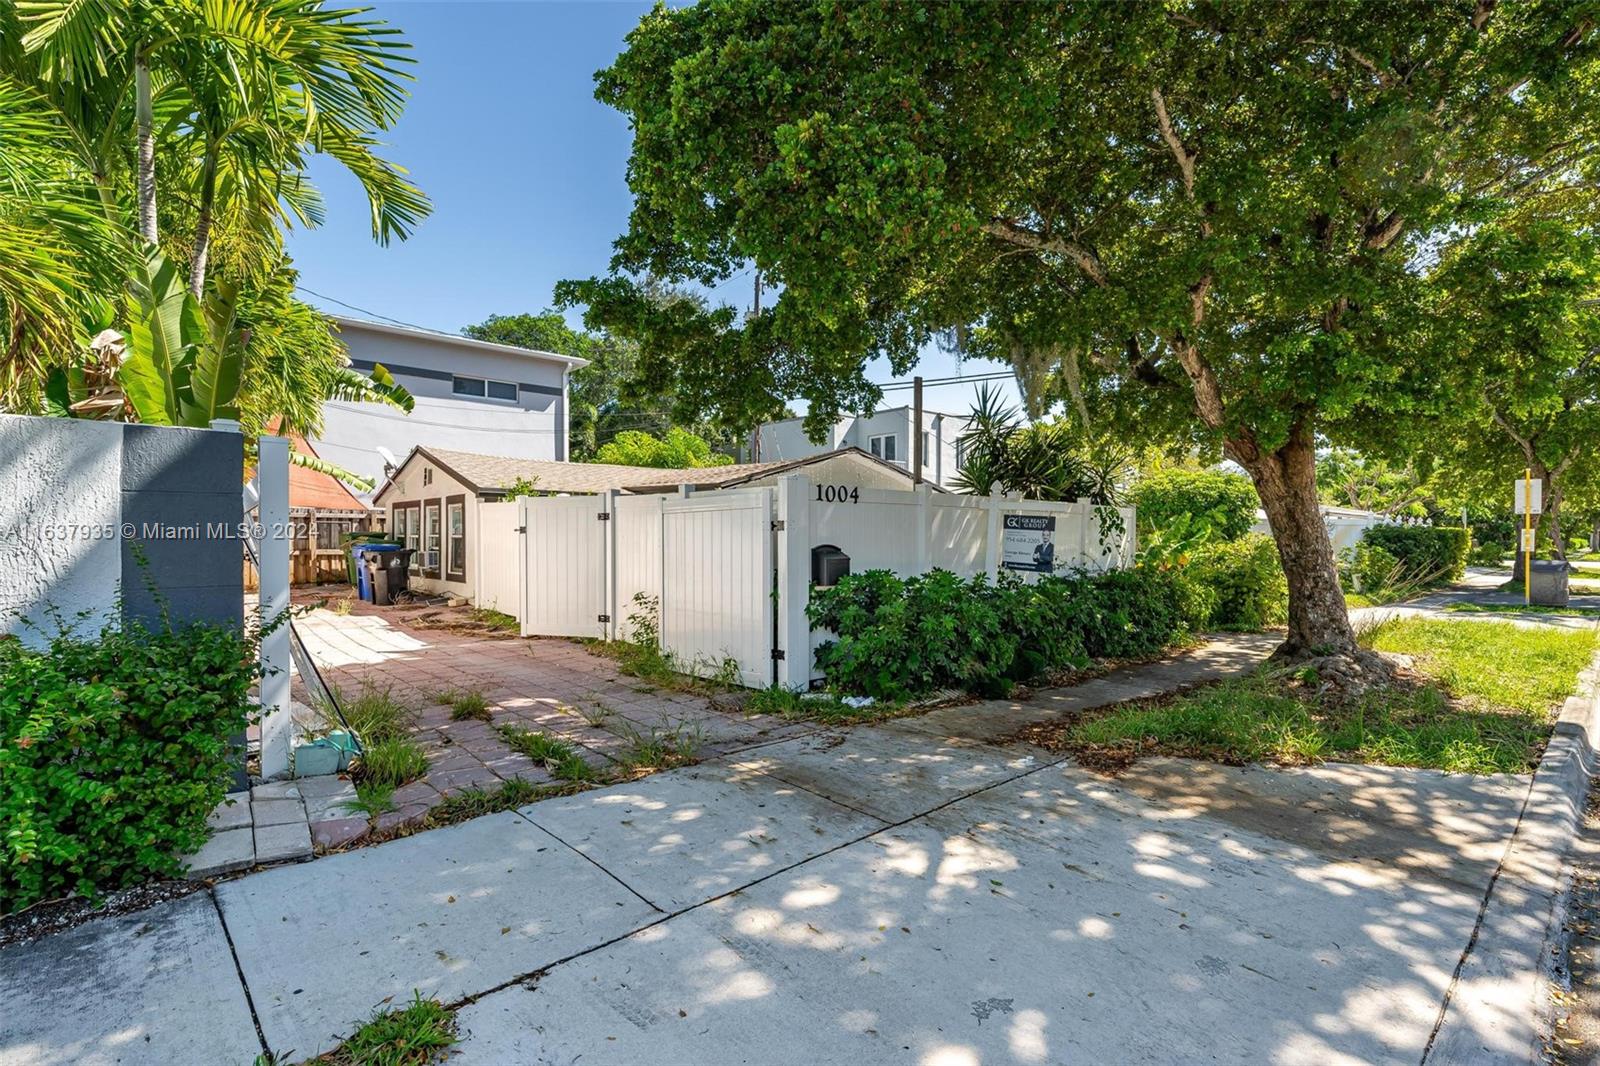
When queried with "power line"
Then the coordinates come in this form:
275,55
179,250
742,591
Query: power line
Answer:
374,314
888,386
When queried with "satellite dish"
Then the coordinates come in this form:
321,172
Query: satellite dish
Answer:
390,463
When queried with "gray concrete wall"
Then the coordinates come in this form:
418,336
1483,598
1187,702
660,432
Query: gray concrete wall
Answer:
81,502
534,426
178,485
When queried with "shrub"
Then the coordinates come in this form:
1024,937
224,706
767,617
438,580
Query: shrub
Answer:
900,639
1432,553
1243,582
1373,568
1227,501
113,751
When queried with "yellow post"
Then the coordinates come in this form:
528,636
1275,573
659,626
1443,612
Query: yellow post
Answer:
1527,541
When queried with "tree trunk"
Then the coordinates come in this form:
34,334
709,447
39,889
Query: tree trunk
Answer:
1552,514
1286,481
202,229
147,151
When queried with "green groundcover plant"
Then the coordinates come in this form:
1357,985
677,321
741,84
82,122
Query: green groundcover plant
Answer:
901,638
113,750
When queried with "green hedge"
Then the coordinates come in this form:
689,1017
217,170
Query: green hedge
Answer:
898,639
1238,584
1431,553
1227,501
113,751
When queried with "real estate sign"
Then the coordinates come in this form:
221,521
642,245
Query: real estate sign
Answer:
1029,543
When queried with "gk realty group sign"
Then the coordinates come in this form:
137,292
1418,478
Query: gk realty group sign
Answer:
1029,543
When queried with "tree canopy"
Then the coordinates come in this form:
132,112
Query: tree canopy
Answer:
1212,219
677,449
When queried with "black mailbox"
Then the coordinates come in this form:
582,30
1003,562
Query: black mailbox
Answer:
828,565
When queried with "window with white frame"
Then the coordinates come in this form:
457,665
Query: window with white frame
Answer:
455,544
883,446
407,528
484,388
430,537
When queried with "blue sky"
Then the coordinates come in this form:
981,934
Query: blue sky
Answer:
525,169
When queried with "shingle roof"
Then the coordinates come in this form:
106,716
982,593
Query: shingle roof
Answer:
491,473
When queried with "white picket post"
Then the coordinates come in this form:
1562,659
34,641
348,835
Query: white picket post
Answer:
272,487
612,626
924,492
793,557
991,543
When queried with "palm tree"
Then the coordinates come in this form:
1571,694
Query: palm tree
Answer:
247,89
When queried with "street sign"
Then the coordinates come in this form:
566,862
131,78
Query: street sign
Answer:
1529,540
1524,491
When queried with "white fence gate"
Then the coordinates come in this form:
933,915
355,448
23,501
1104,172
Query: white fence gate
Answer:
499,562
566,546
729,572
716,583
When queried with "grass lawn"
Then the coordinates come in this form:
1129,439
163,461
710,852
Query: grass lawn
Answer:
1522,608
1485,705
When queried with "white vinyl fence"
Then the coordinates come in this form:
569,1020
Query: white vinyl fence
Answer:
725,576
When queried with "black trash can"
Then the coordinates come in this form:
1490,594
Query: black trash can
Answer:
398,563
1548,583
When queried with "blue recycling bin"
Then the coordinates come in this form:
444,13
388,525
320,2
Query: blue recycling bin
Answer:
363,581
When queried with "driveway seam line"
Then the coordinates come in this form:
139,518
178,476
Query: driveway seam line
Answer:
589,860
244,985
667,916
1477,925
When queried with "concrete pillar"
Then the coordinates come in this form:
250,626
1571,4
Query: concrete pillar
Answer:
272,487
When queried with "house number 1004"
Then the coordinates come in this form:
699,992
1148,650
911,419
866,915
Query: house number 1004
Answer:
838,494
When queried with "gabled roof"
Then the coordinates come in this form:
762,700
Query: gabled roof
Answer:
456,339
493,474
312,488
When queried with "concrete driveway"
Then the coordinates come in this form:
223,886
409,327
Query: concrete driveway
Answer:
903,893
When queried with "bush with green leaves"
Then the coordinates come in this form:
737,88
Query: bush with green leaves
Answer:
1227,501
113,751
1242,582
901,638
1425,553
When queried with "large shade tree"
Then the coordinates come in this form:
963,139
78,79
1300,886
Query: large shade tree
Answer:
1203,204
1515,331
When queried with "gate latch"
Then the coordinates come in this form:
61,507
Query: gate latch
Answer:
604,516
605,618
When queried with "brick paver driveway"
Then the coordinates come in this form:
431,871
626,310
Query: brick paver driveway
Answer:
553,686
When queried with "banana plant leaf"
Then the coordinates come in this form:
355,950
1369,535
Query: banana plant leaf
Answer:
217,364
161,343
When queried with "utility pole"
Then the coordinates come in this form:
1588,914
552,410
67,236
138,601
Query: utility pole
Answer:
916,430
755,434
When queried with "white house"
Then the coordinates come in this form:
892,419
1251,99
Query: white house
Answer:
471,396
437,499
886,434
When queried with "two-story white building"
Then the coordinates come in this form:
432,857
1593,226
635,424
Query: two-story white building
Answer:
886,434
471,396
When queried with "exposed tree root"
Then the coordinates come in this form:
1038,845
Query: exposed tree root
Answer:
1340,676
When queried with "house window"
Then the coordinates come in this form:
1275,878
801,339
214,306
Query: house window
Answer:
455,544
883,446
406,529
961,454
494,390
430,537
927,454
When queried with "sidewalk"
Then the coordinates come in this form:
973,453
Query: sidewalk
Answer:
920,891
